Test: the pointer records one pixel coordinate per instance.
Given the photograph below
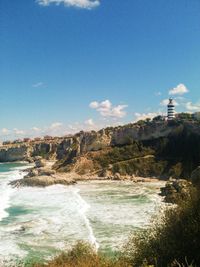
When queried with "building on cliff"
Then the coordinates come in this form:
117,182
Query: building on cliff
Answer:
171,110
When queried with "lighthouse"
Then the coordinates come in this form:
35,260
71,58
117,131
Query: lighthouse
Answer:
171,109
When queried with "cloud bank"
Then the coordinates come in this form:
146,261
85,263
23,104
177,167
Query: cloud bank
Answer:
87,4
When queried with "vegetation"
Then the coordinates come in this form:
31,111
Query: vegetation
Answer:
123,153
175,238
144,167
83,255
180,150
185,116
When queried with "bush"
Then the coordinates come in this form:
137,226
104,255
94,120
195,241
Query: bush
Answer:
123,153
83,255
172,239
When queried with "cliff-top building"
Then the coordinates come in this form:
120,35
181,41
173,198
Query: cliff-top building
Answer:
171,110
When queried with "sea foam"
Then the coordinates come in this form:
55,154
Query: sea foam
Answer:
84,207
6,190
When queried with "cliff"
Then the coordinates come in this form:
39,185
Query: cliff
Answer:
26,151
147,149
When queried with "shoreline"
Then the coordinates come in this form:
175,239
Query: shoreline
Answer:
66,179
42,175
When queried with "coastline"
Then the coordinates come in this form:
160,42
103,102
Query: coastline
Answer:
42,174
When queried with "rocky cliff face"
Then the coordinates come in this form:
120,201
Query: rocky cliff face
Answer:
152,149
15,153
118,136
23,152
124,135
84,142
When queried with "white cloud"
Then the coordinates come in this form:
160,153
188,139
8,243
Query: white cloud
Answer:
5,131
158,93
106,109
94,104
165,102
181,89
191,107
55,125
36,129
89,122
144,116
18,132
87,4
39,84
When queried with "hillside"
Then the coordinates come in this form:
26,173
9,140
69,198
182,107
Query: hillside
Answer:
148,149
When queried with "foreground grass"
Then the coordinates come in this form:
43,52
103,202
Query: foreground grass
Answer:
172,241
83,255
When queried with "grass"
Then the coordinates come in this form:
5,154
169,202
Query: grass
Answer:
83,255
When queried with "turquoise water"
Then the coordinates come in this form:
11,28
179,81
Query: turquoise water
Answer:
38,223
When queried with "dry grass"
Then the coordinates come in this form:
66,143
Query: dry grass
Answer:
83,255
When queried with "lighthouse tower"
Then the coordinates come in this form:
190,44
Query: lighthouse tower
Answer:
171,110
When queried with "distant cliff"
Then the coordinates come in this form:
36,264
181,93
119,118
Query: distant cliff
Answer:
26,151
157,148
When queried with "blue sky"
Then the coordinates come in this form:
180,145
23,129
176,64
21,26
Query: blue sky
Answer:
72,64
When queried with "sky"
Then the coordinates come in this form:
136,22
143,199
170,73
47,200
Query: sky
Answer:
67,65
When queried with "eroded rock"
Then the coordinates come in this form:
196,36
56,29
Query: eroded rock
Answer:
176,190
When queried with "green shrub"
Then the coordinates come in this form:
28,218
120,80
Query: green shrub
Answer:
123,153
173,238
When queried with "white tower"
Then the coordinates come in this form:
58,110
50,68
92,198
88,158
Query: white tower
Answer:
171,110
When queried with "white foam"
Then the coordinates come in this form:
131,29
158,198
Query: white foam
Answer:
5,197
84,207
6,191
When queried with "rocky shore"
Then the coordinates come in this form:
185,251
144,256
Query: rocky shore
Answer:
42,174
179,190
176,190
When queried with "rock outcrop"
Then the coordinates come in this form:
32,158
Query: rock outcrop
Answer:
176,191
41,175
43,181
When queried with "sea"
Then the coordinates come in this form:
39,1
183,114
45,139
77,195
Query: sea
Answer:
37,224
